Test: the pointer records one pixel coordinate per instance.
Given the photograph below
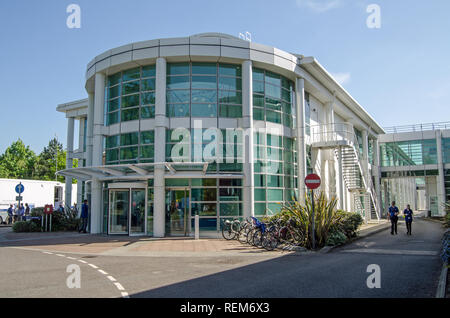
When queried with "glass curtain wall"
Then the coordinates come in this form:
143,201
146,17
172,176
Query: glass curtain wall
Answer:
130,95
408,153
135,147
204,90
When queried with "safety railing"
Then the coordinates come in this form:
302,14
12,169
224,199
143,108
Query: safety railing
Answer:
332,133
417,127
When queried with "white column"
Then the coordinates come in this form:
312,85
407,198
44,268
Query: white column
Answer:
90,129
159,218
69,160
247,114
365,164
340,177
97,153
377,173
96,207
441,177
301,146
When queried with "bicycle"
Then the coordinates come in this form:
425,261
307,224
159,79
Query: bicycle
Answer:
230,229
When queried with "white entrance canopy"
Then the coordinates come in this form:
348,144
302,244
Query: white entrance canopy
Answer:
143,171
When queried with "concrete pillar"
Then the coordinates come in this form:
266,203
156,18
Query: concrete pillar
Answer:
97,153
301,146
377,174
247,115
441,176
96,215
69,160
90,129
340,177
159,216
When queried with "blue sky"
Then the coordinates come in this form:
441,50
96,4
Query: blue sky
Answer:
400,73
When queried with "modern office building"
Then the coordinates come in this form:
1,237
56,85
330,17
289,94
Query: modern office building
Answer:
219,127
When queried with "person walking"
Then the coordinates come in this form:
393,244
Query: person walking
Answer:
21,213
393,216
84,216
10,214
408,213
27,211
75,210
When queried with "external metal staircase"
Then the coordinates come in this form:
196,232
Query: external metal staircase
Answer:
342,139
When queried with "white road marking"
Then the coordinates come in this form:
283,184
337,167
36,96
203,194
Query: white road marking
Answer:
81,261
111,278
48,253
60,255
73,258
391,252
103,272
125,295
119,286
93,266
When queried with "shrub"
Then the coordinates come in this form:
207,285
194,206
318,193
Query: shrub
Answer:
336,238
24,226
66,221
447,215
349,223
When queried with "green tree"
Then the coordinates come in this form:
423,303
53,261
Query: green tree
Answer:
50,160
18,161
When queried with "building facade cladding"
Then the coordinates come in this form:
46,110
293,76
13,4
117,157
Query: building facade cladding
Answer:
164,107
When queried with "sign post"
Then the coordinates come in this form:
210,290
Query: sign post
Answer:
19,190
312,181
48,210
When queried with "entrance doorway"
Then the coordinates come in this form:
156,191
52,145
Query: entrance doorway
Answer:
177,211
127,211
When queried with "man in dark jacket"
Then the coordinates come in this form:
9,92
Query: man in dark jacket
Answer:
408,219
10,214
393,216
84,216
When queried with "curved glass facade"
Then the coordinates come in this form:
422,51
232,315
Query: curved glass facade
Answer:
135,147
206,90
273,97
130,95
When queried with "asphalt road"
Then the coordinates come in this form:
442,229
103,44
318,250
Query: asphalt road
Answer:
409,267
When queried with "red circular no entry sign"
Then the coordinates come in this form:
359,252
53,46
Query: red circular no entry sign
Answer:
312,181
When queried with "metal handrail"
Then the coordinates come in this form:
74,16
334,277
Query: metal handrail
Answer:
418,127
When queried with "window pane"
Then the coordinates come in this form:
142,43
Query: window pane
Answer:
112,141
204,82
149,71
274,195
114,91
273,78
204,194
258,87
204,68
178,82
258,113
258,75
178,69
204,96
114,79
130,101
260,180
230,194
130,114
230,83
148,112
274,181
148,137
148,98
178,110
113,104
273,208
147,152
148,84
130,87
273,104
230,182
204,110
132,74
113,118
204,182
260,209
128,153
178,96
258,100
129,139
260,195
231,209
230,111
112,155
273,91
273,117
230,97
204,209
230,70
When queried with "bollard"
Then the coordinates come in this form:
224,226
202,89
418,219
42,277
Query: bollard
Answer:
197,230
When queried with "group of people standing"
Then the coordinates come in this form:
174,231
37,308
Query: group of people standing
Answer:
18,214
393,217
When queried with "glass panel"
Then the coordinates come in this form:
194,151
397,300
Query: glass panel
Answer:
230,70
130,114
204,195
204,68
178,110
230,97
177,209
230,182
114,79
204,182
178,69
147,152
112,155
130,101
114,92
204,110
258,74
230,194
148,98
149,71
230,83
113,118
148,137
178,96
137,217
148,112
119,207
148,84
113,105
204,209
129,153
274,195
204,82
230,111
204,96
112,141
129,139
260,195
231,209
130,87
131,74
178,82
